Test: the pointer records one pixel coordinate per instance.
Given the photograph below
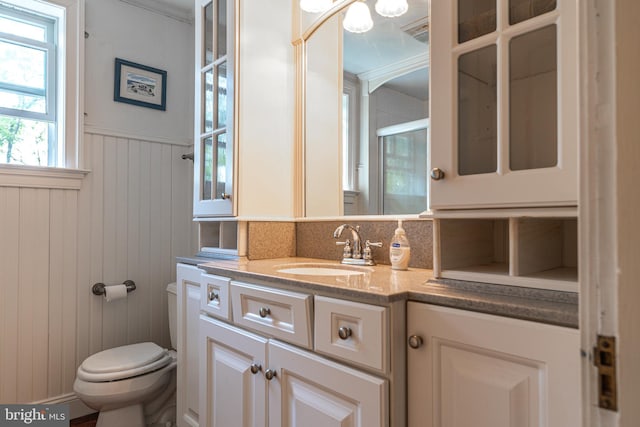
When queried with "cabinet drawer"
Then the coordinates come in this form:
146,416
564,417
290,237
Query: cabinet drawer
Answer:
282,314
352,331
214,295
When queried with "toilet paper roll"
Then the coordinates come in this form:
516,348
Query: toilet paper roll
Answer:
115,292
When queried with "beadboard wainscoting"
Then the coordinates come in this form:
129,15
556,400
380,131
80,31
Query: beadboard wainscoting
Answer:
130,218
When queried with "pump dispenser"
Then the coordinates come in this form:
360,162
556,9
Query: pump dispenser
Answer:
399,250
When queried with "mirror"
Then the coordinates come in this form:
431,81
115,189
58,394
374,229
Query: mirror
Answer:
366,106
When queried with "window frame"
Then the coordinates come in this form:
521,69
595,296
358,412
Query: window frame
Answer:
49,48
68,87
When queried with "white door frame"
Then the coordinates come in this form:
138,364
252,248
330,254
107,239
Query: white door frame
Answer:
609,229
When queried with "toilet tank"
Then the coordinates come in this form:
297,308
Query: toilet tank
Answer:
172,301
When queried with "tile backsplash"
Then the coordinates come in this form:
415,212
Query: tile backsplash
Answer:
314,239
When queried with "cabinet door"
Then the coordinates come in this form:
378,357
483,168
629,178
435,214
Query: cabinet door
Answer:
232,386
477,370
504,110
309,390
214,100
188,288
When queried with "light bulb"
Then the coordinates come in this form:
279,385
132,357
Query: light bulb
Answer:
391,8
315,6
358,18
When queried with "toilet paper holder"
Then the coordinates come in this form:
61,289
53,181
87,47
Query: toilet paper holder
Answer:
98,288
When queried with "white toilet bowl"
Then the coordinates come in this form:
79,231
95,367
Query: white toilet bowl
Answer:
133,385
122,382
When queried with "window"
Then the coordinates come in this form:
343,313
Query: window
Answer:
40,82
350,122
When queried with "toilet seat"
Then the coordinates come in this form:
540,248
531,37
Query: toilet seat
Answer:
123,362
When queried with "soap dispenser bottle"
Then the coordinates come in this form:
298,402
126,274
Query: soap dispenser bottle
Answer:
399,250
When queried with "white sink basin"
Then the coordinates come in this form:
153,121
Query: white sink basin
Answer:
313,269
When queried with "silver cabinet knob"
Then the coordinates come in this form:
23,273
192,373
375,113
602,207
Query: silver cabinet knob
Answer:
255,368
437,174
264,312
213,296
415,341
344,332
225,196
270,374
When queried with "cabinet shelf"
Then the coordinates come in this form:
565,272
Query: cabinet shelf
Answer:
518,251
218,238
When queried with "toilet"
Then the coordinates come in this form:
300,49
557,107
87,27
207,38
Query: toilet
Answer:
132,385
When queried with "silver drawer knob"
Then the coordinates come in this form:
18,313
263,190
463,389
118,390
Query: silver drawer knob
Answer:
437,174
415,341
344,332
255,368
270,374
213,296
264,312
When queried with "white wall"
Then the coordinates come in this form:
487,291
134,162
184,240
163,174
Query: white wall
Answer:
129,220
117,29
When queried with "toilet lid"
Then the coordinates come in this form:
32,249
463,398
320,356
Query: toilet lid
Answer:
123,362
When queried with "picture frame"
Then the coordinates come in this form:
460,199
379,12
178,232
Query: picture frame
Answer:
140,85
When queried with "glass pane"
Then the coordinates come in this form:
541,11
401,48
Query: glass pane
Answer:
221,29
222,164
533,105
19,101
24,142
207,101
221,90
475,18
521,10
477,112
23,29
207,168
208,34
405,172
22,66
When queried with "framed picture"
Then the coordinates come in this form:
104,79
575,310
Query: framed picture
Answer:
140,85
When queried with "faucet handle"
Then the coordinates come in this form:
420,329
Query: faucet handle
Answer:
370,243
366,254
347,251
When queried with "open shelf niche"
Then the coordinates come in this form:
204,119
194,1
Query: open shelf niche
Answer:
519,251
222,238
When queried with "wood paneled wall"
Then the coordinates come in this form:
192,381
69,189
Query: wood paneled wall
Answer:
130,219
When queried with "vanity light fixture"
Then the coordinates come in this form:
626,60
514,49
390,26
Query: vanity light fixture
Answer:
315,6
391,8
358,18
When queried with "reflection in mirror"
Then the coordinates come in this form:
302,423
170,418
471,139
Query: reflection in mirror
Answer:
403,152
359,87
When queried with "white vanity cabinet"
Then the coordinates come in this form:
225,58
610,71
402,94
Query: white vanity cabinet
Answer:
233,389
504,109
188,375
252,374
467,369
250,380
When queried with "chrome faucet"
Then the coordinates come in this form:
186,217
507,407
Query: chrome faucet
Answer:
353,252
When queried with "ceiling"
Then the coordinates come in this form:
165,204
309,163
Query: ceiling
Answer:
391,40
182,10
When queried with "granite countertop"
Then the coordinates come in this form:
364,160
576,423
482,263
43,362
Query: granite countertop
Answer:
380,284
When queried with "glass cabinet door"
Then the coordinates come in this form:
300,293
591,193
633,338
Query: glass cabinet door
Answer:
213,170
504,118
